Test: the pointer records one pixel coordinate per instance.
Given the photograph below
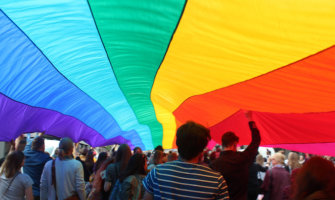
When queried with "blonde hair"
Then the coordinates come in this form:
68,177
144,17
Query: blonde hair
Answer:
293,160
279,158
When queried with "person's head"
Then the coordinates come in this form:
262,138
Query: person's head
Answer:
65,148
136,165
229,141
317,174
192,138
38,144
293,160
301,158
123,155
260,160
101,158
90,156
56,153
158,157
137,150
13,163
172,156
278,159
159,147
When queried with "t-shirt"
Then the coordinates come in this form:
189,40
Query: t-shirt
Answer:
182,180
16,191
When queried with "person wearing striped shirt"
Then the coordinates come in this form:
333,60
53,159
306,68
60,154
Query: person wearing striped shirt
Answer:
186,178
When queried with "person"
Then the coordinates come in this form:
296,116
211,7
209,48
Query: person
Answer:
157,159
35,161
233,165
17,145
89,162
97,192
276,179
13,184
129,186
315,180
114,170
63,177
293,161
138,150
254,180
185,178
81,158
172,156
101,159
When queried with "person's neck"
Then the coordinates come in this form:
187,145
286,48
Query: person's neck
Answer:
67,157
193,160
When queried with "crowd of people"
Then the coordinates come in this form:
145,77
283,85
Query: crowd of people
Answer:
28,172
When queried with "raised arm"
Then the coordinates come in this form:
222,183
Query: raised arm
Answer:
252,149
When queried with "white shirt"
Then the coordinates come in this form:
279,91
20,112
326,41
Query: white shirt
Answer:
69,179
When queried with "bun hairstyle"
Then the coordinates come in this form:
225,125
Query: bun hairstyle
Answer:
65,147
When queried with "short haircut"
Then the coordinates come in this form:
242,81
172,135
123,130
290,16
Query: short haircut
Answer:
278,157
159,147
192,138
37,143
229,138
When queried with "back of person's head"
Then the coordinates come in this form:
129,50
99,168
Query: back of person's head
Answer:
192,138
158,157
316,175
101,158
123,155
65,147
159,147
228,139
12,164
172,156
38,144
293,160
90,156
136,165
260,160
278,158
137,150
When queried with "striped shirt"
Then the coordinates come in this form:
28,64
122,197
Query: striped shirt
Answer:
182,180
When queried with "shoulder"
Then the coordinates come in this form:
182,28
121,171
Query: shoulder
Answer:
25,179
48,163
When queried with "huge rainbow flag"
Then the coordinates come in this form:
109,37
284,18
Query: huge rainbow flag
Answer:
130,71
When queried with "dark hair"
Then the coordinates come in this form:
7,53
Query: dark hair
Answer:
89,160
12,164
65,146
101,158
192,138
137,149
317,174
159,147
228,139
37,143
123,155
136,165
172,156
158,156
